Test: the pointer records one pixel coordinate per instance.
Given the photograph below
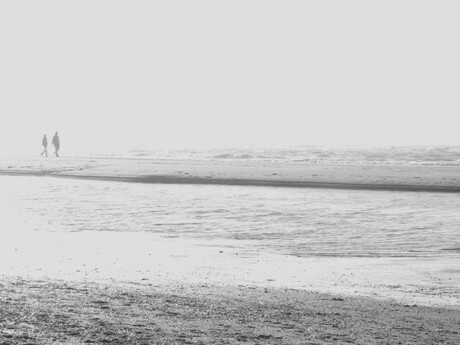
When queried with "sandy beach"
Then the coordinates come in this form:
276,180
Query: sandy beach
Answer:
140,288
62,312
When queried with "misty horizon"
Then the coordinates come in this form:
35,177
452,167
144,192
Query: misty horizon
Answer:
261,74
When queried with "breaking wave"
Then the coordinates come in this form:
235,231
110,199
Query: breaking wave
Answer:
394,155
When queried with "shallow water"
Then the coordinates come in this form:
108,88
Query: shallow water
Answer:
300,222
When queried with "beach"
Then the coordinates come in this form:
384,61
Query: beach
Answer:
62,312
222,172
173,284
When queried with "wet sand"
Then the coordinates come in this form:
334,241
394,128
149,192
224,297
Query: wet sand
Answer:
135,257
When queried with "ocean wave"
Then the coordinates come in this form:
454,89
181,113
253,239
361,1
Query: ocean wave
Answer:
394,156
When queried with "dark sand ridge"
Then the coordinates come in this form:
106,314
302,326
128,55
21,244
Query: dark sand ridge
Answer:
54,311
266,183
366,177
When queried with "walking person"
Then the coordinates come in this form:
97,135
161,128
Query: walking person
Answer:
45,145
56,144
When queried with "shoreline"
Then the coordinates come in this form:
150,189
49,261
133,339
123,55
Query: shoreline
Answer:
139,257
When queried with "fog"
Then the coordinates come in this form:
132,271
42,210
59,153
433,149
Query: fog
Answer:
111,75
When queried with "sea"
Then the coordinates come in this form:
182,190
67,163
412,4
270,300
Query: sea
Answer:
355,155
287,221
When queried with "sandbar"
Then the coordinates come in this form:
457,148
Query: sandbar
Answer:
223,172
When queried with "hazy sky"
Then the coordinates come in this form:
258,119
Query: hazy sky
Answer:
113,75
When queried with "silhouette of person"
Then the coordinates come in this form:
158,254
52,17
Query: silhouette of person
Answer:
45,145
56,144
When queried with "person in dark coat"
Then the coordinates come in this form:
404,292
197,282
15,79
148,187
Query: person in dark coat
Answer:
56,144
45,145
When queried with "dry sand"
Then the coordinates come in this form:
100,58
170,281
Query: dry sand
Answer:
58,312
